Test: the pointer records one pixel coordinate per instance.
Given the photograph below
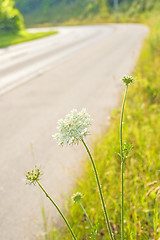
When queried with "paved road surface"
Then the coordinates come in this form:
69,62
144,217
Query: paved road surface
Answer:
40,82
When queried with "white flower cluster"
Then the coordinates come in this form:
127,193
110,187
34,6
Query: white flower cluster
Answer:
73,128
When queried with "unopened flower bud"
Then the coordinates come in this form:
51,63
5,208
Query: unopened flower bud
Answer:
33,176
77,197
127,79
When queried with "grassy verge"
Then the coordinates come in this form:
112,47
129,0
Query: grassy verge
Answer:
7,39
142,175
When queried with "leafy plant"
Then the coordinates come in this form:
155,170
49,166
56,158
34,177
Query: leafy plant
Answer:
10,18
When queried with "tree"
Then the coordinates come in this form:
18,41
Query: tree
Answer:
10,18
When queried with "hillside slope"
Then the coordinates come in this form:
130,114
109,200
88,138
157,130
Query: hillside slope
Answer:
59,11
56,12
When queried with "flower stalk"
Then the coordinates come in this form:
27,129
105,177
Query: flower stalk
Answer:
122,167
127,80
83,209
60,212
100,190
77,199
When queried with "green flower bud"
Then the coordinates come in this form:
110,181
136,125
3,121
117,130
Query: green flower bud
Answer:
127,79
77,197
33,176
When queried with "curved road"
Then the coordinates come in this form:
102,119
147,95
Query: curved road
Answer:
40,82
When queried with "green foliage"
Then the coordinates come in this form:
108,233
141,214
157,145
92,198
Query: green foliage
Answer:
137,7
28,6
58,11
73,12
142,167
10,18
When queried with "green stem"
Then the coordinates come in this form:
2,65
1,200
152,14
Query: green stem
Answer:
100,190
69,227
122,167
90,224
156,215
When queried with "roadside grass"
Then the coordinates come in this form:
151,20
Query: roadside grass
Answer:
8,39
142,168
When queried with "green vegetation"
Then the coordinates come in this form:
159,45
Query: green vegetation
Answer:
142,168
7,39
61,11
10,18
12,27
72,12
138,11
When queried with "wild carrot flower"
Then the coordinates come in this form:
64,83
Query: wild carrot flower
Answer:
127,79
33,176
73,128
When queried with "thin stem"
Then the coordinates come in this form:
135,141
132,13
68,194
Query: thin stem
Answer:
122,167
90,224
156,215
100,190
69,227
122,202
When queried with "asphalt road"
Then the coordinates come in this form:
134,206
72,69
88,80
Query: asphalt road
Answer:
40,82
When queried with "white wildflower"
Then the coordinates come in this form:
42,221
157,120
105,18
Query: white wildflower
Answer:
73,128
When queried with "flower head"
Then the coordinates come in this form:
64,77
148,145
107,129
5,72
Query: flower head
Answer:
77,197
33,176
73,128
127,79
